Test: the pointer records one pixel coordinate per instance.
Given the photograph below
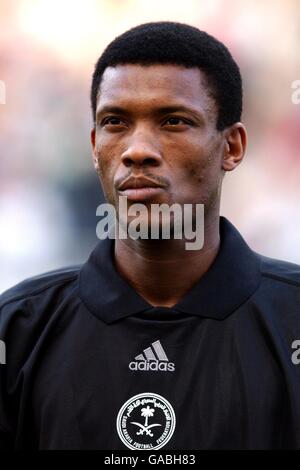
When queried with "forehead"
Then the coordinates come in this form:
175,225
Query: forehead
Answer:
145,85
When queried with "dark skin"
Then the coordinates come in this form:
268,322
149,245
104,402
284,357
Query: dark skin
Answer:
183,148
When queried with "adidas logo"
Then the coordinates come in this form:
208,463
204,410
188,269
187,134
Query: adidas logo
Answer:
153,358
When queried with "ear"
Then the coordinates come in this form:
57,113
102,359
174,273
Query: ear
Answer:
93,143
235,146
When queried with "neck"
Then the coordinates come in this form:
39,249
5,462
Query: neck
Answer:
162,271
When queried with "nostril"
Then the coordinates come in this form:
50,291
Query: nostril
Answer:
150,161
127,162
147,161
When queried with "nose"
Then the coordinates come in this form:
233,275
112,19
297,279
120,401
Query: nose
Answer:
141,150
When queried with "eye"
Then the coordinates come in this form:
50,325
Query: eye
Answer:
113,121
175,121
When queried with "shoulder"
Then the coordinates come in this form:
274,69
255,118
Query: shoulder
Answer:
28,309
280,271
45,285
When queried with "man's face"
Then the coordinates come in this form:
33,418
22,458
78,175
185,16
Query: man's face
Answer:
158,122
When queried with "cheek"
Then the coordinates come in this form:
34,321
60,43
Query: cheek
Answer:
199,172
105,159
195,171
205,165
195,164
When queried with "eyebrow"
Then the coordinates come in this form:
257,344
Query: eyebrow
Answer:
158,111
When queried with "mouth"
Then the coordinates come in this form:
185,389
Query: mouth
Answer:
140,188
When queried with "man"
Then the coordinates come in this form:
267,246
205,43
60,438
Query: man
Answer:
149,345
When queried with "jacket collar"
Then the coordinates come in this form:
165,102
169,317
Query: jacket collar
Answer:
230,281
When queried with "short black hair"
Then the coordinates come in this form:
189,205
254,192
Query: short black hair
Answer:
167,42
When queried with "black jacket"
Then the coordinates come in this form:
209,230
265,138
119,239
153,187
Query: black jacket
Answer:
91,365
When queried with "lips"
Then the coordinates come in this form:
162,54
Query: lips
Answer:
140,188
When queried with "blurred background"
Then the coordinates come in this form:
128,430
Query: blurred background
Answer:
48,189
